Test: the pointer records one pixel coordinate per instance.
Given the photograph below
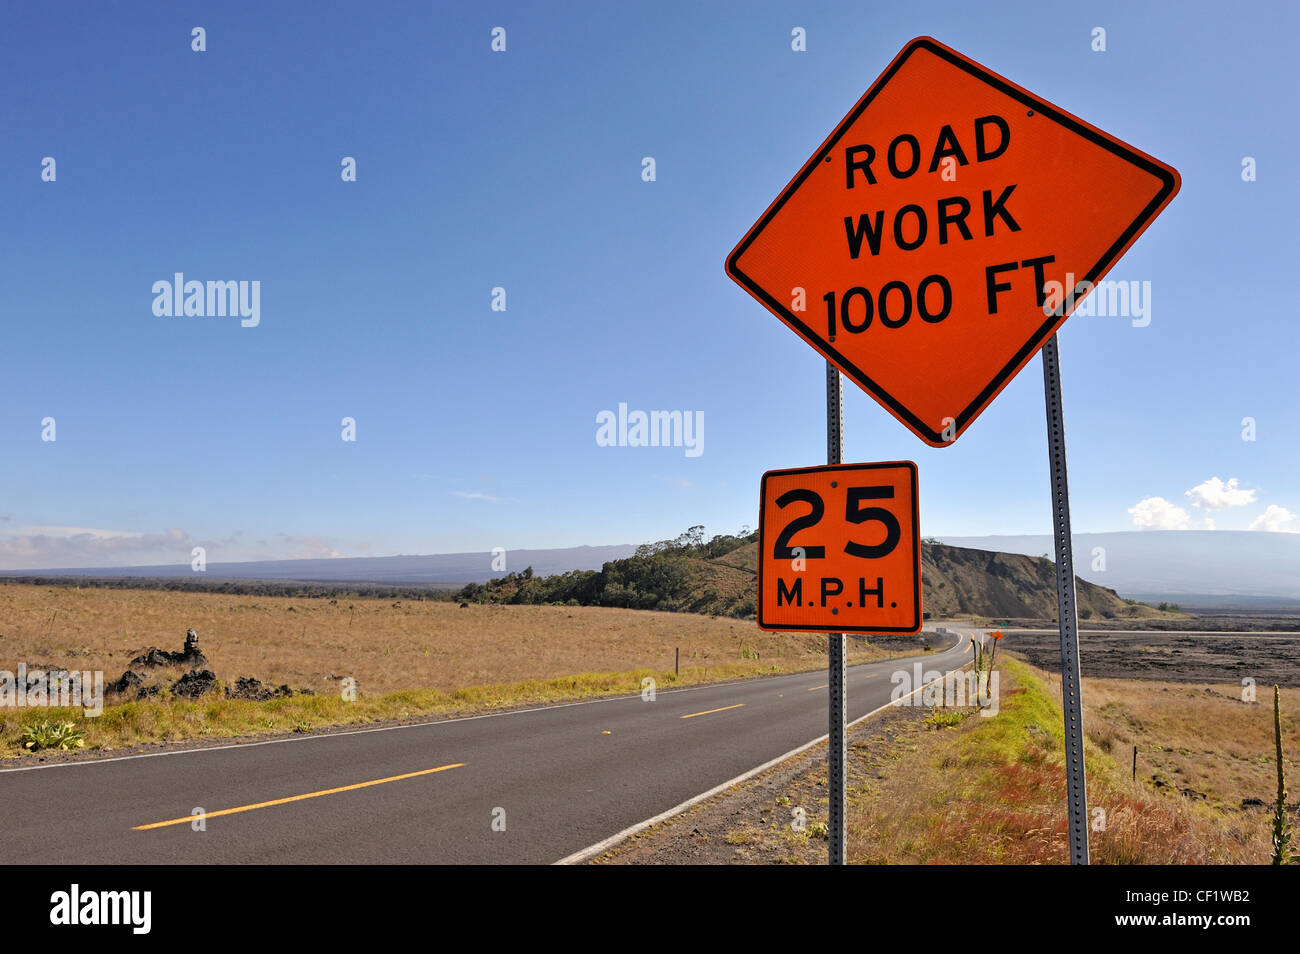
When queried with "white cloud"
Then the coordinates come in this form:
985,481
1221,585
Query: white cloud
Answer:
679,482
475,495
309,548
1274,520
1214,494
1157,513
63,533
51,547
1209,523
45,547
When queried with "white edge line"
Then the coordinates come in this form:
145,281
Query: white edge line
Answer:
591,851
409,725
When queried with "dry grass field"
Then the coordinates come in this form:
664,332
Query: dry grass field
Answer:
387,645
995,791
409,658
1201,745
931,786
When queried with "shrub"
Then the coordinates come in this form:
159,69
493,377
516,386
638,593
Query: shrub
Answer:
52,735
941,720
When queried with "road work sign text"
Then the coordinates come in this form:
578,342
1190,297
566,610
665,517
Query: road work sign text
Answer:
917,248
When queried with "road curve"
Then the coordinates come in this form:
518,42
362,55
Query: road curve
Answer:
557,779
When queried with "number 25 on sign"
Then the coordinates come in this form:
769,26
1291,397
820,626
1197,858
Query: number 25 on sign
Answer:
839,549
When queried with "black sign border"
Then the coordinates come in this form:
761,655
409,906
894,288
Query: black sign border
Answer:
919,618
1169,185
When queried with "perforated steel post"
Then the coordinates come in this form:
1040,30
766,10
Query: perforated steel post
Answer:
836,752
1067,609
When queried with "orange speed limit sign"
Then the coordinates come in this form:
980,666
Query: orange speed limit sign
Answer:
839,549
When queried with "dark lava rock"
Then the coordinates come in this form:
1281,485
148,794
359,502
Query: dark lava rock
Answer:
195,683
129,681
246,687
189,656
252,689
154,657
255,690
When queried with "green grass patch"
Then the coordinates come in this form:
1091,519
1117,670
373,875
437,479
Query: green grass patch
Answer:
166,718
993,791
941,719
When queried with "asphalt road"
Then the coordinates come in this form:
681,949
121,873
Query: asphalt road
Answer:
561,778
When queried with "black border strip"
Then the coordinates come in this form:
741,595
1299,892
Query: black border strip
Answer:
916,626
1168,187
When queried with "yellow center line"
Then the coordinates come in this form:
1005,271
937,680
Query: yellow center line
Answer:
296,798
707,711
815,688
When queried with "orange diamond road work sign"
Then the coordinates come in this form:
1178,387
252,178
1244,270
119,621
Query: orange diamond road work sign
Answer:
943,232
839,549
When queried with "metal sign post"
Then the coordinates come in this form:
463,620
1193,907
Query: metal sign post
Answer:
851,229
1067,609
836,751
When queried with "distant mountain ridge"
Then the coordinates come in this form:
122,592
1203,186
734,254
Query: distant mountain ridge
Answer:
444,568
1186,566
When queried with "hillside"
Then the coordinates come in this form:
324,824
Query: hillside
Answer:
719,578
959,581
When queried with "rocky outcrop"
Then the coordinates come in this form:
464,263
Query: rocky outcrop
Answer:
195,683
190,655
140,681
246,687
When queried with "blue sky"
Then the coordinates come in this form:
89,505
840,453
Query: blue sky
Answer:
476,428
